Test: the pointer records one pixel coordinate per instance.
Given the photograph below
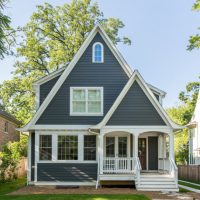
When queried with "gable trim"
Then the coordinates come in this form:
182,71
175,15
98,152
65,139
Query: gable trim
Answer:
137,77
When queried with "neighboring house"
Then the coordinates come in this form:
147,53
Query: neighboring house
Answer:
97,121
194,135
8,125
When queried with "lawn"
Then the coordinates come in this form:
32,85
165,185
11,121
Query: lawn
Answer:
74,197
11,186
189,185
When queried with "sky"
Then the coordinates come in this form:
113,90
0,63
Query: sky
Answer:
159,31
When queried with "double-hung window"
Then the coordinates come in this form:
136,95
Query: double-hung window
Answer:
86,101
45,147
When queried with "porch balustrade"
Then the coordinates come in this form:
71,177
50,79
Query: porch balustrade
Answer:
119,165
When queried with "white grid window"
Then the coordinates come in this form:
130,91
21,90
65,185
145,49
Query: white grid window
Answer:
45,148
86,101
67,147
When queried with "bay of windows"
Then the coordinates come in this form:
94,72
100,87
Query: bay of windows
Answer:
86,101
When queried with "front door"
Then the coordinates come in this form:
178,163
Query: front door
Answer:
142,152
153,153
117,146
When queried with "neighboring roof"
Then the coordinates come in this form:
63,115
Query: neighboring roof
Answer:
137,77
70,67
9,117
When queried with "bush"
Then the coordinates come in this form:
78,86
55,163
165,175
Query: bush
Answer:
10,156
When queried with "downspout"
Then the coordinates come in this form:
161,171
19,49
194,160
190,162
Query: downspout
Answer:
98,170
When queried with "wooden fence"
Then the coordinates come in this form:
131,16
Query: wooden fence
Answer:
189,172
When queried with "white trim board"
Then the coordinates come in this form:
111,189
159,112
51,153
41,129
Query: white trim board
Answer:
137,77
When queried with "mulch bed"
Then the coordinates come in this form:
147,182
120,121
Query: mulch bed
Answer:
91,190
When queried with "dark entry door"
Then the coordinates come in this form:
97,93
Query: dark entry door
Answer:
142,152
153,153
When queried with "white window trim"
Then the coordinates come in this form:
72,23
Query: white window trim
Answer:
55,135
86,113
93,52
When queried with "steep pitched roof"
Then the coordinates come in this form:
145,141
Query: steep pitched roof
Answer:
9,117
71,65
137,77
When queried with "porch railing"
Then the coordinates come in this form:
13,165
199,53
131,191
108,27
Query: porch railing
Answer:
119,165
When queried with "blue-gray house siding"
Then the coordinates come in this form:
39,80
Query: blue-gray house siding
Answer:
135,109
67,172
46,88
108,75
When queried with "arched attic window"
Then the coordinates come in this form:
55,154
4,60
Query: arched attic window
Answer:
97,53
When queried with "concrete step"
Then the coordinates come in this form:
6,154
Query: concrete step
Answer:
158,189
158,183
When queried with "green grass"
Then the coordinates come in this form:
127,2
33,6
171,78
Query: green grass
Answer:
182,190
189,185
11,186
74,197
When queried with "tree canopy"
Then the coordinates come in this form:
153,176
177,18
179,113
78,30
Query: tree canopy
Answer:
182,115
50,39
194,41
4,30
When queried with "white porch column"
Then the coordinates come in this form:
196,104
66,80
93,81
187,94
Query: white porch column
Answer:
135,148
101,153
171,146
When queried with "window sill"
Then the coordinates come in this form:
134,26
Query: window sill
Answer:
86,114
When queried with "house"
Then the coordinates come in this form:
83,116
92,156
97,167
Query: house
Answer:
98,121
8,125
194,135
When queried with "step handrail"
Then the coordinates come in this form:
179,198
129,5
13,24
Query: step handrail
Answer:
174,170
138,168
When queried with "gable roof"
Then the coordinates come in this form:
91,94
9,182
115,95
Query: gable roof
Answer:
137,77
71,65
9,117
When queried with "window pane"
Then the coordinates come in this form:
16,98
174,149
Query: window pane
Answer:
94,95
90,147
79,107
45,148
94,107
110,146
78,95
98,53
67,147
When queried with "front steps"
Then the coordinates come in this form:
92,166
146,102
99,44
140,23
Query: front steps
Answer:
156,182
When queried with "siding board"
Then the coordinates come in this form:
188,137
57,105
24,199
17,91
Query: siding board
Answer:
135,109
67,172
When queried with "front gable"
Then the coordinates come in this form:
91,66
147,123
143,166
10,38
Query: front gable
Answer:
109,75
135,109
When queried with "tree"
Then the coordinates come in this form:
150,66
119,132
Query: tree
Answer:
5,30
194,41
182,115
50,39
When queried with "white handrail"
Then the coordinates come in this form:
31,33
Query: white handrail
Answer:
174,170
138,168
